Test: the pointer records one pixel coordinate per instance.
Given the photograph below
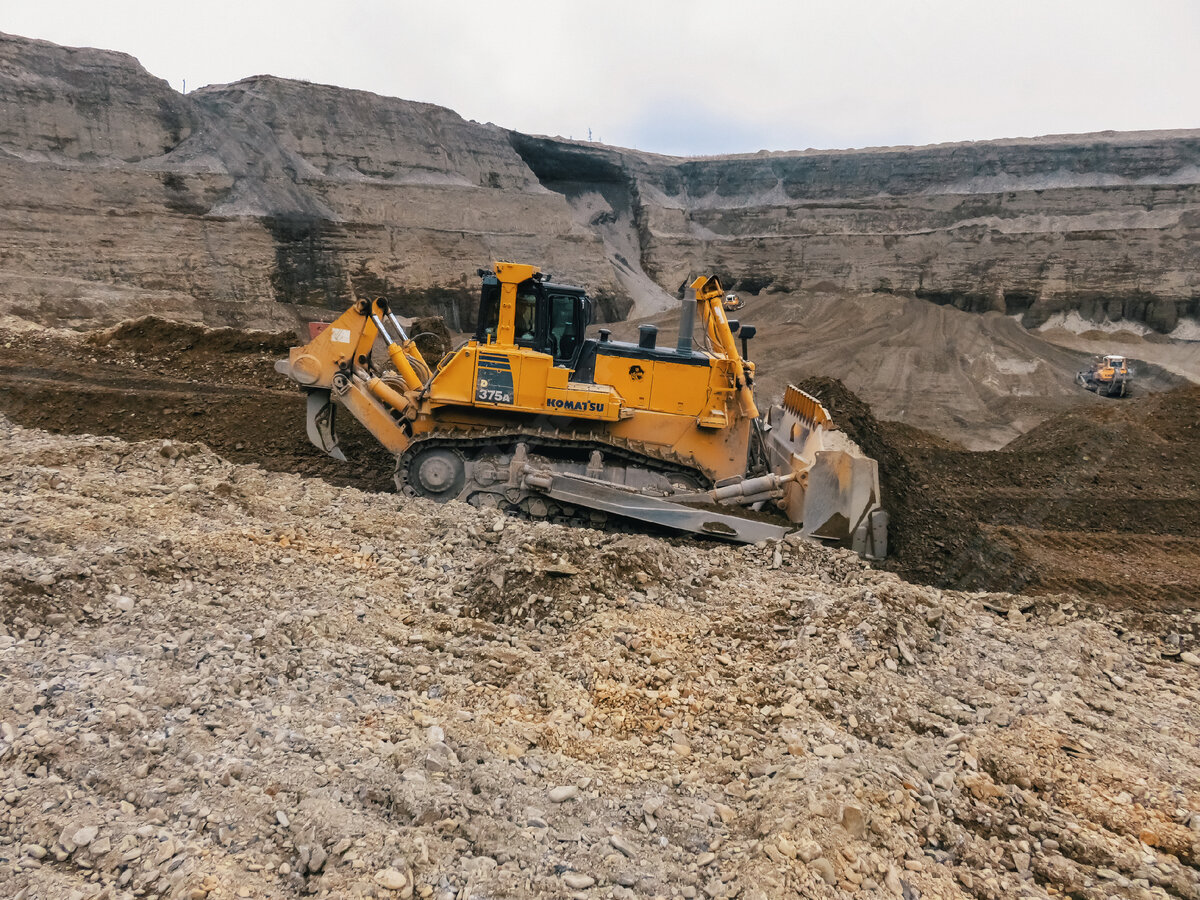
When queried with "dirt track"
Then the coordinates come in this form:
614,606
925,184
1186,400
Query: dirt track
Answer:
1104,501
165,382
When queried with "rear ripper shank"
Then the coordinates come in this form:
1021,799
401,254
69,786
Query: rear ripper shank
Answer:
532,416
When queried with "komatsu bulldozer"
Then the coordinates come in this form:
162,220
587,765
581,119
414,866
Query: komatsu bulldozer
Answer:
531,416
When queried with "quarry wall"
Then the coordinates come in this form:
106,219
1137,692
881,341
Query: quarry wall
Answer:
248,202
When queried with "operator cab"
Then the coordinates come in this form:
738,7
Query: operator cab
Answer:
549,318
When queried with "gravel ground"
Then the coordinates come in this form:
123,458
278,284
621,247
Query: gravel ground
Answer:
217,681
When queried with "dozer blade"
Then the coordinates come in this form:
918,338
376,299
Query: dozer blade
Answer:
592,494
835,495
321,411
841,491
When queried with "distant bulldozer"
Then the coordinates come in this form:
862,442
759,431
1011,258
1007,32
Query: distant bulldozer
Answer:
1108,376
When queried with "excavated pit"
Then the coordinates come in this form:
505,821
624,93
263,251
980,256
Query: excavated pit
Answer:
227,672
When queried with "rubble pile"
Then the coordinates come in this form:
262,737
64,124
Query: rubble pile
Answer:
218,681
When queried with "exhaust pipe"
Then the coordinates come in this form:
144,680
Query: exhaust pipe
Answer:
687,322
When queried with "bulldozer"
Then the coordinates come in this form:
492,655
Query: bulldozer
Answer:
531,416
1108,376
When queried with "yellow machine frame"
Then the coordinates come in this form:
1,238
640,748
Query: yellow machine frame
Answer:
657,434
657,403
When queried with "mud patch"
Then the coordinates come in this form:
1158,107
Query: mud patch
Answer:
151,334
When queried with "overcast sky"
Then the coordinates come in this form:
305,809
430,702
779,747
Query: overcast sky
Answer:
691,77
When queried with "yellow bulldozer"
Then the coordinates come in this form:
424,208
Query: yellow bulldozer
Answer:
1108,376
531,416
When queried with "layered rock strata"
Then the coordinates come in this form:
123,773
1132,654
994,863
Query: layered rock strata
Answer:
119,196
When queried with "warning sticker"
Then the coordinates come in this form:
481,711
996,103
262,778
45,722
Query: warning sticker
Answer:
339,335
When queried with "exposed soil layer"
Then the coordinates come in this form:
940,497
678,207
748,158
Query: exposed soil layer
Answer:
151,335
154,379
1104,501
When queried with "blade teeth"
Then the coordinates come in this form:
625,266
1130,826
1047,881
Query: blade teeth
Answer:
805,406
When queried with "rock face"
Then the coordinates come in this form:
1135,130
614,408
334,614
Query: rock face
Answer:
120,197
1104,225
85,106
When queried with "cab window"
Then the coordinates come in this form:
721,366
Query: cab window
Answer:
489,312
563,332
525,318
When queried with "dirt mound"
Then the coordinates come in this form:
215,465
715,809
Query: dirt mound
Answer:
1150,446
1065,507
1174,416
977,379
432,336
928,540
1062,508
151,334
1171,417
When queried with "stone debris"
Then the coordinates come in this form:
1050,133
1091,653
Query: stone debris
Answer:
392,880
563,793
578,882
625,848
318,691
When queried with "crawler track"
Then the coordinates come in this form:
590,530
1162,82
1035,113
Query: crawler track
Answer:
494,448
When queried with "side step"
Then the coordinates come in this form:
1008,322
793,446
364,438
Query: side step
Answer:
592,494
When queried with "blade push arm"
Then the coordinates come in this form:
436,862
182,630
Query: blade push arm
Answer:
336,365
710,298
345,343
